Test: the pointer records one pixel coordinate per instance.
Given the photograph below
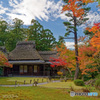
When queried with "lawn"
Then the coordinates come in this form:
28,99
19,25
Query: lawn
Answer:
67,84
50,91
38,93
20,80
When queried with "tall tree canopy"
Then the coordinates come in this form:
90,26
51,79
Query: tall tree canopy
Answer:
10,34
3,32
16,33
43,38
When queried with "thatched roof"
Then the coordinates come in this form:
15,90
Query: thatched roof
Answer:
25,51
47,54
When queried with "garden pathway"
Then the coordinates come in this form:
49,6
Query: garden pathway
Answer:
18,85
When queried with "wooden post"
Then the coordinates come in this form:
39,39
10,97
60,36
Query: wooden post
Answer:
42,79
60,79
24,81
15,82
30,81
35,83
65,79
34,80
50,79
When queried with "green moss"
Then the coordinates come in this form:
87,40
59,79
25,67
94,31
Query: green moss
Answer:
79,82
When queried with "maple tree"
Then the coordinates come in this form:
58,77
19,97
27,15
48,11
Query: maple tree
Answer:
4,61
59,63
95,40
67,59
86,59
67,55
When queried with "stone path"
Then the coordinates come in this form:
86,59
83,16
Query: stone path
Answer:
27,84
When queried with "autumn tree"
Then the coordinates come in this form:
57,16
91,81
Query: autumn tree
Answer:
66,60
95,41
4,62
77,12
86,60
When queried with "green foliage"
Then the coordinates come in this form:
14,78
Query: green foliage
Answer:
90,75
11,41
97,84
79,82
98,76
90,34
3,32
61,40
43,38
66,1
11,34
16,33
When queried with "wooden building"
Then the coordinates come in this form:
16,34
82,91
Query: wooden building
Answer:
27,60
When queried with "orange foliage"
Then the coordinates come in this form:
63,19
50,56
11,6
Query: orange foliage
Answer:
67,55
85,58
87,1
4,61
95,41
73,6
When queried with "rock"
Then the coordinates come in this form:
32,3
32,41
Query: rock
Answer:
90,82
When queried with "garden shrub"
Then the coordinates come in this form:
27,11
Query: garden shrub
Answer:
97,84
98,76
79,82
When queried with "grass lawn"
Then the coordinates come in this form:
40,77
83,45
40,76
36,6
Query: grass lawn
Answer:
20,80
42,92
38,93
67,84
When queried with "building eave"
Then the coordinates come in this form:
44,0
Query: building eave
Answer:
28,62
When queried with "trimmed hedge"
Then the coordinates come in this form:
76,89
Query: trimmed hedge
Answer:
79,82
97,84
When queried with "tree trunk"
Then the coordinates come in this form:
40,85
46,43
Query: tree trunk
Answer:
76,51
69,71
83,77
